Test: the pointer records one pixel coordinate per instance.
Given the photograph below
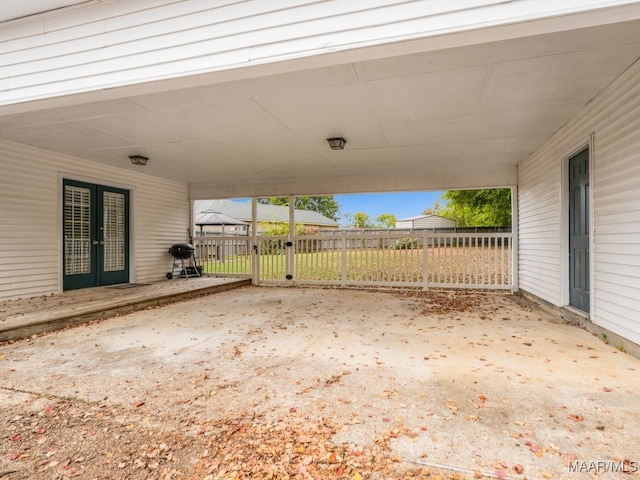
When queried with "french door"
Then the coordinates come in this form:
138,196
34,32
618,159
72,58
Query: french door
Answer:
96,235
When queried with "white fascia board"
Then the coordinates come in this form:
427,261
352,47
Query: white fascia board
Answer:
391,28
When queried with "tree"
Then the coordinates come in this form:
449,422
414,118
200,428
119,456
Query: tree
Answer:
278,246
435,210
327,205
361,220
479,208
387,220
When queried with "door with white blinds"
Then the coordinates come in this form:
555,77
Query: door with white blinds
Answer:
96,235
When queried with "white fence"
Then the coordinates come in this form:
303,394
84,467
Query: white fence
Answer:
391,259
224,256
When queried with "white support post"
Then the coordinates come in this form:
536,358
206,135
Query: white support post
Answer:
192,235
292,231
425,260
343,275
255,258
514,239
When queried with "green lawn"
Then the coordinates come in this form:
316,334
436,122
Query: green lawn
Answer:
445,265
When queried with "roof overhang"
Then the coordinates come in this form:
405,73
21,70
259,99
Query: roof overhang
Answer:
16,10
457,110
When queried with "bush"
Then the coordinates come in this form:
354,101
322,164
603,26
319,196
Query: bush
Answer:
406,244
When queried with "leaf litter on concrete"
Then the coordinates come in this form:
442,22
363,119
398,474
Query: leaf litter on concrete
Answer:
313,384
66,438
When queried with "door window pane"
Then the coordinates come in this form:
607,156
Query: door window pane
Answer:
114,233
77,230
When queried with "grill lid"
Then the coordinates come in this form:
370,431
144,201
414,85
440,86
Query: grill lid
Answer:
181,250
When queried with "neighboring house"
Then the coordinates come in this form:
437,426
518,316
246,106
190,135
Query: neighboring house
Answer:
312,221
426,222
212,222
236,100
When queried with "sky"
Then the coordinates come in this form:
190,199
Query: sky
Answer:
400,204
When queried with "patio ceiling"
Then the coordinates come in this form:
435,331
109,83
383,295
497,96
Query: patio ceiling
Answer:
483,107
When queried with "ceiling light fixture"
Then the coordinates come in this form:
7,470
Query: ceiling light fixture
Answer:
336,143
138,159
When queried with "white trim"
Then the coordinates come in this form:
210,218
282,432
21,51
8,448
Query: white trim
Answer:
60,232
564,215
514,246
62,176
130,60
255,271
592,237
133,271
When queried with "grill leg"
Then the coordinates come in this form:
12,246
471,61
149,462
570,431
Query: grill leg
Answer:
184,268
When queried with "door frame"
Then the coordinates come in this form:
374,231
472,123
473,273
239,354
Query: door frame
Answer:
564,227
65,175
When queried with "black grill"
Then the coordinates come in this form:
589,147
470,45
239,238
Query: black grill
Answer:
181,251
184,258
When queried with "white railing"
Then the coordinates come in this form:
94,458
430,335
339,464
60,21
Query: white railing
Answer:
470,260
390,259
224,255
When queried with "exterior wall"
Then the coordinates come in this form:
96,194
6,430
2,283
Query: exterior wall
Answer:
59,52
434,221
31,218
613,119
428,221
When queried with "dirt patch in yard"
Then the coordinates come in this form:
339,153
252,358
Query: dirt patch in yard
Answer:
320,383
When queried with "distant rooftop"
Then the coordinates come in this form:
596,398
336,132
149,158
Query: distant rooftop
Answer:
266,213
416,217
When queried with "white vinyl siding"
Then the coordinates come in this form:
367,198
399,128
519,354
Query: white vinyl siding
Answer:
102,45
30,237
539,245
429,221
614,120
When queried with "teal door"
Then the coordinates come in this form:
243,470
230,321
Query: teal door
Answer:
579,231
96,235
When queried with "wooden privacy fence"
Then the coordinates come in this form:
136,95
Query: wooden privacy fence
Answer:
390,259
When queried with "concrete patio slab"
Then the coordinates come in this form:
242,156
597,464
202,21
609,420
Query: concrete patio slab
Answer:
463,383
23,317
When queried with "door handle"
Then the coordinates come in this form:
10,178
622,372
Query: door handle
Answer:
95,242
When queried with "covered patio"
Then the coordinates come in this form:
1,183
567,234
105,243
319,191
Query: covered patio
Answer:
322,383
424,96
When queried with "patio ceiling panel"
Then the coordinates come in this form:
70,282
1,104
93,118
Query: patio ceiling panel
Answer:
362,136
458,117
560,78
